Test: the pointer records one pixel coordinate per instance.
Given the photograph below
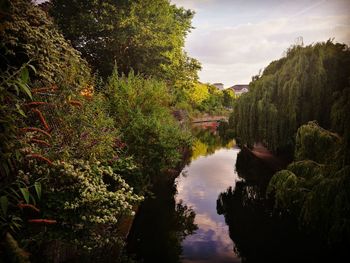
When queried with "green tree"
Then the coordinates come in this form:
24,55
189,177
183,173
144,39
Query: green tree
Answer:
146,36
314,188
303,86
228,97
141,110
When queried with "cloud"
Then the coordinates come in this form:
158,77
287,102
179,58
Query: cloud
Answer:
233,54
206,178
192,4
235,38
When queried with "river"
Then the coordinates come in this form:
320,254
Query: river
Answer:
180,223
217,211
199,186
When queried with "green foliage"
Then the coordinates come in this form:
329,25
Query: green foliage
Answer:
71,154
141,109
213,104
206,143
146,36
29,35
33,54
315,188
228,97
205,98
298,88
198,93
86,131
314,143
13,90
19,192
310,83
341,120
80,196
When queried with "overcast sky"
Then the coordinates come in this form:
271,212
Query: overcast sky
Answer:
233,39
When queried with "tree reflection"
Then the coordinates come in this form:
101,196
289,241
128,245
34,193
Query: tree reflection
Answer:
259,234
207,142
160,227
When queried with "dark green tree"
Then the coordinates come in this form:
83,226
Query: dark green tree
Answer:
305,85
146,36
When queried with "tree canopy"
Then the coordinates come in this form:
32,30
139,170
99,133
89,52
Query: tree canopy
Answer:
305,85
147,36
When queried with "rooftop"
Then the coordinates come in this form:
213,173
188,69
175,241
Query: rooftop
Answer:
239,87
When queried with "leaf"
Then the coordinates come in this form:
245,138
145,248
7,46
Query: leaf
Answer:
24,88
24,75
37,186
32,67
25,194
18,155
20,111
4,202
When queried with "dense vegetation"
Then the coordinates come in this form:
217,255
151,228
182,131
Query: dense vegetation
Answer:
315,187
82,141
207,98
88,94
146,37
310,84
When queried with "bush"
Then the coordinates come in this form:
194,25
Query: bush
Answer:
86,200
316,193
141,109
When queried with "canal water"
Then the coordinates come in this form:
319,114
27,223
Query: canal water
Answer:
217,211
180,223
199,186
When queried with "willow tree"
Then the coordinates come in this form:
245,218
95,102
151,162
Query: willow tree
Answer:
315,187
303,86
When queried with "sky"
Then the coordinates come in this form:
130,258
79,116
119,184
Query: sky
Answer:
234,39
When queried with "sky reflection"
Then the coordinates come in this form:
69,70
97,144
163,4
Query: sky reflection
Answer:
205,178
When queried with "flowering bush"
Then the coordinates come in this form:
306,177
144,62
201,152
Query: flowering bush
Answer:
87,198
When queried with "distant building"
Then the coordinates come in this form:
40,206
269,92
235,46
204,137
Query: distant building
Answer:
240,89
219,86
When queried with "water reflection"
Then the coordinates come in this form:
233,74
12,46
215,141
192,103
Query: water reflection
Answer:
259,234
180,224
207,142
211,171
160,226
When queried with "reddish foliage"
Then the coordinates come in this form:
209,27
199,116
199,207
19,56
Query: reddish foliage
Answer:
40,142
32,129
75,103
42,221
40,157
38,90
35,103
42,119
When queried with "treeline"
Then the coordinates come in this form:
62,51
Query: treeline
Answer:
86,123
204,98
146,37
300,106
310,83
